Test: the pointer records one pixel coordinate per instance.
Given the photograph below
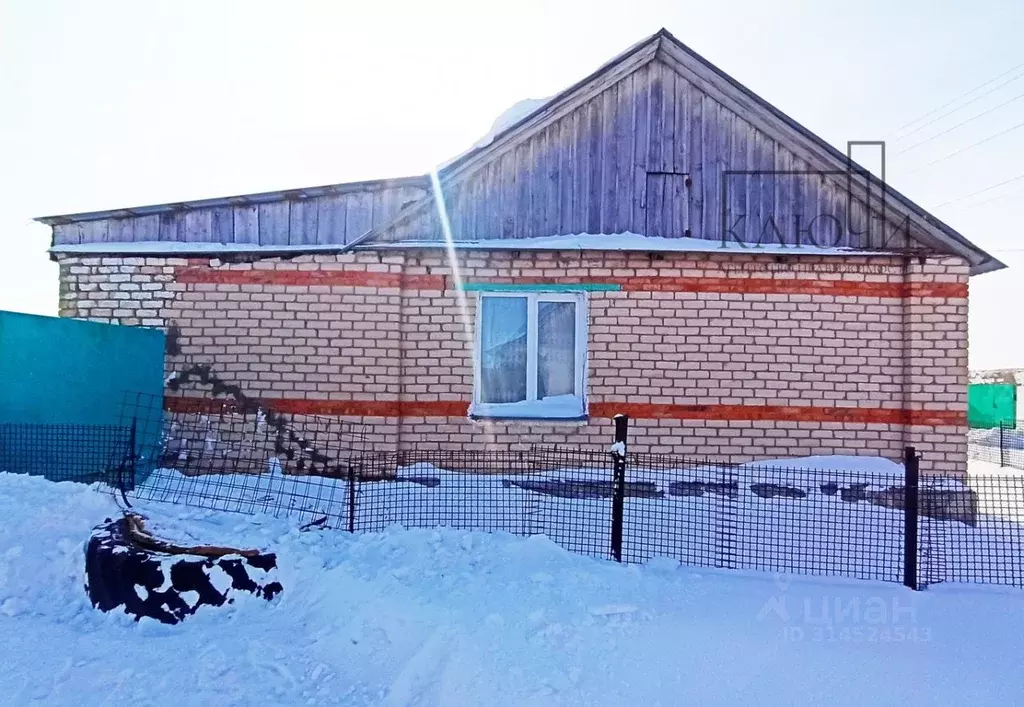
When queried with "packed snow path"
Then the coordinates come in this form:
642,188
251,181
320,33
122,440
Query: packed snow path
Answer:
462,618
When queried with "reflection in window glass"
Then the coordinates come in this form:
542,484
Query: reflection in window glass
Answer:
556,349
503,328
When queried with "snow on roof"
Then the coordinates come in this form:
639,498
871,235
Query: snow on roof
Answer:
624,242
512,115
576,242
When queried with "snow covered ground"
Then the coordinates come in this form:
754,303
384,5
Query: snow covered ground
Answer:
453,617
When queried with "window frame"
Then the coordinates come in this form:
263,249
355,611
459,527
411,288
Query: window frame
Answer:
482,410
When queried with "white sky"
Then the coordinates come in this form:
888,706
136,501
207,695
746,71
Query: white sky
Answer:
111,104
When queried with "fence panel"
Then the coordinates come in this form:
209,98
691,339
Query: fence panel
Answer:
1002,445
64,452
229,457
973,530
677,508
767,516
563,494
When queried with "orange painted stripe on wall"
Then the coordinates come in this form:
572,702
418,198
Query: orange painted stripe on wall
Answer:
802,413
308,278
767,286
639,411
743,285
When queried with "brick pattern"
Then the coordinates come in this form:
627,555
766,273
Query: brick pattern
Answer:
740,356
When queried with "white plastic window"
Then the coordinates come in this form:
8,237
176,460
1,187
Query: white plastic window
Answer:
530,355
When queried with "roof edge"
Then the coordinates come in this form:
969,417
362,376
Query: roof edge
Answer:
981,261
238,199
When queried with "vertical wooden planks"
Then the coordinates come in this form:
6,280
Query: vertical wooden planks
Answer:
222,225
273,223
681,194
566,173
330,219
247,223
456,203
581,171
655,189
68,233
302,222
170,223
521,199
120,230
534,225
833,202
667,129
710,161
594,195
778,230
358,215
477,206
762,186
737,183
795,230
552,180
506,197
625,187
608,147
641,146
655,127
695,118
198,226
95,231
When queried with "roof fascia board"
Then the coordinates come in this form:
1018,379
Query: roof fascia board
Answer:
238,200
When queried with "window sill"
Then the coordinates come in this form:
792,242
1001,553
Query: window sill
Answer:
499,417
562,409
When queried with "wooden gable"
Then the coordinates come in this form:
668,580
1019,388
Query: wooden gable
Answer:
660,143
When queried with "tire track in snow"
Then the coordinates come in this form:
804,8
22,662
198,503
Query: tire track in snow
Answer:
423,670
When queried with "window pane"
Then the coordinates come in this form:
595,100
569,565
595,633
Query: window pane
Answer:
556,348
503,349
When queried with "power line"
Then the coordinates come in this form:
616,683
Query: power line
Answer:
964,122
995,198
962,95
968,147
981,191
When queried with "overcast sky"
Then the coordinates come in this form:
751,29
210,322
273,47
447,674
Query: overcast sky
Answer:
112,104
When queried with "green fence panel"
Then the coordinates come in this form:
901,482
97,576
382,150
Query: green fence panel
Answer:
991,404
59,380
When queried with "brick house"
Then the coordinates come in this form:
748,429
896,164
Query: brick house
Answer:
654,240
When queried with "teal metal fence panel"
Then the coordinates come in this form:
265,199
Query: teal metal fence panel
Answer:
991,404
62,378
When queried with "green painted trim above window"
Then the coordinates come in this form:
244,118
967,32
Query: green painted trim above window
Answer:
541,287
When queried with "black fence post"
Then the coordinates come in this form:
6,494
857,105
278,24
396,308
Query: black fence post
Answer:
911,481
619,483
133,455
1002,442
351,498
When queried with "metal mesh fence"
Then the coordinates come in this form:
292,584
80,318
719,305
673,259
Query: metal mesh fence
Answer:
769,516
561,493
64,452
972,529
1002,445
764,517
244,458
